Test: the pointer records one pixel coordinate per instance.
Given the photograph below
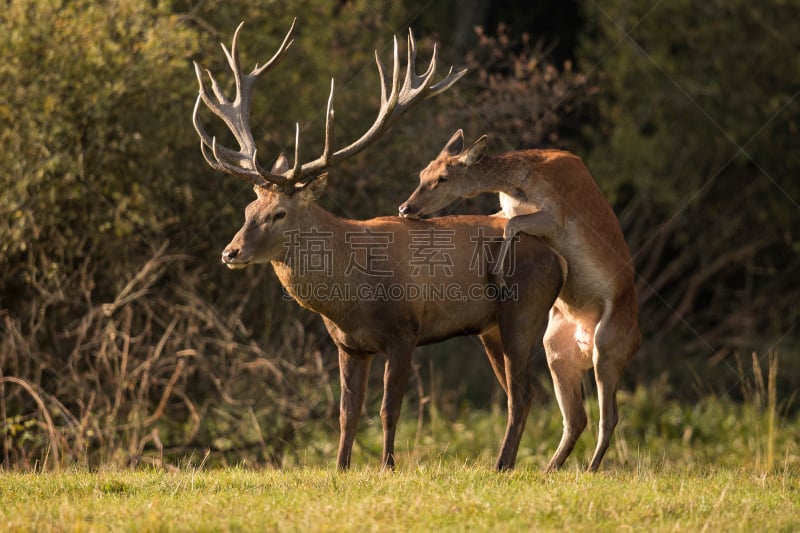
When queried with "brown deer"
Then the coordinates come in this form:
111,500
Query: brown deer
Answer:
594,323
384,285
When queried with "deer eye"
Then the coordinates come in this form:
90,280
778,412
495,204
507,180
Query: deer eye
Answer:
279,215
441,179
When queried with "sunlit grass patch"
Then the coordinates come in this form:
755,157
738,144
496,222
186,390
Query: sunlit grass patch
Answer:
440,494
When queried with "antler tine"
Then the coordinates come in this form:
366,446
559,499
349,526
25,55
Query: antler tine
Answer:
447,82
394,101
221,164
414,86
236,115
257,175
328,127
246,82
276,58
211,161
233,64
296,167
300,172
391,99
221,155
414,83
388,104
205,138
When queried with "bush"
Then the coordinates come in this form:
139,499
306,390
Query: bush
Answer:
699,110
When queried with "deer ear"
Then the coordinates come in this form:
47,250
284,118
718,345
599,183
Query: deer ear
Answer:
281,164
314,189
455,145
475,152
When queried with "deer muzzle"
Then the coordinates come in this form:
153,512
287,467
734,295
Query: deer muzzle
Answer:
409,210
231,257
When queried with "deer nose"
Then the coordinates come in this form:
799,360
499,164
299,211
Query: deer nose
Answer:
408,210
229,254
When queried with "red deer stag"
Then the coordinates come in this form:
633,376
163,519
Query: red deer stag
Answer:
550,194
384,285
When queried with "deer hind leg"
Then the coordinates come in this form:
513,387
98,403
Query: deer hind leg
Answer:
567,367
395,381
493,344
616,341
522,326
539,224
353,374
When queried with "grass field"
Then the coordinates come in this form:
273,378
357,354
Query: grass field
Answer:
442,496
714,465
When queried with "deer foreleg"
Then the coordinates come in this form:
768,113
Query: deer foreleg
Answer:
353,373
395,381
539,224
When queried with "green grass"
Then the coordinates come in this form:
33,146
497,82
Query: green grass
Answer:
709,465
446,496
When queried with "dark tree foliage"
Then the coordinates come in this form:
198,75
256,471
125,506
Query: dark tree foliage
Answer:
697,146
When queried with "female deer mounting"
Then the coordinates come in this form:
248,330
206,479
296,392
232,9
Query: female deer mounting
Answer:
594,323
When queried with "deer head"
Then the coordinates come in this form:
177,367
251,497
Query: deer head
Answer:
270,220
446,178
283,192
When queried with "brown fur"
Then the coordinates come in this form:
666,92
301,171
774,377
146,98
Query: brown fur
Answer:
594,323
361,328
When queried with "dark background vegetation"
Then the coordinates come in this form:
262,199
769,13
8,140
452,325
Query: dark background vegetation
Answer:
124,339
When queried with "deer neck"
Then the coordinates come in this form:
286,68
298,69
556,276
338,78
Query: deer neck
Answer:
312,266
496,174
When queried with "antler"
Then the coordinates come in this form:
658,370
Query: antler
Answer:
236,115
394,102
